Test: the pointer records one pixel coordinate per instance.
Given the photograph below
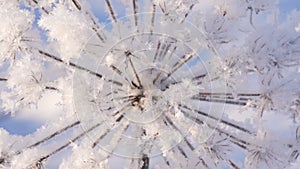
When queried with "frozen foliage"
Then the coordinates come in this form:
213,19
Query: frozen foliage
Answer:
15,23
61,19
156,84
24,83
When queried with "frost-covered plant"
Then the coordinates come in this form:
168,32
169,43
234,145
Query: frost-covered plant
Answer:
159,84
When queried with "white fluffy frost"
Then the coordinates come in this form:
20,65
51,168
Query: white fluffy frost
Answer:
69,28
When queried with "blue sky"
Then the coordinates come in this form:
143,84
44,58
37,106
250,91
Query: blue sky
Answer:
288,5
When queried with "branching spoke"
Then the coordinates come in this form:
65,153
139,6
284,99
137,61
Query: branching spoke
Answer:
111,11
181,62
54,134
130,97
77,5
135,11
145,161
96,27
121,110
235,126
118,121
188,12
187,142
169,122
241,102
153,10
229,94
178,65
164,50
120,73
194,79
241,98
51,88
58,132
79,68
233,165
156,52
241,143
105,134
134,70
100,138
165,59
182,152
67,144
43,9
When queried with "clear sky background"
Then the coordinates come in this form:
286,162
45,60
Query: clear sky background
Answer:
288,5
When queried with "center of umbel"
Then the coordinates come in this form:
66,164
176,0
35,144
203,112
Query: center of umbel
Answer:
152,81
148,100
138,101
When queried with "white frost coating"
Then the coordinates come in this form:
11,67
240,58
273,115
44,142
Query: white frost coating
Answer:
46,3
25,83
64,86
295,165
231,8
6,140
178,7
26,159
69,28
110,59
14,23
7,147
297,29
84,156
151,90
259,6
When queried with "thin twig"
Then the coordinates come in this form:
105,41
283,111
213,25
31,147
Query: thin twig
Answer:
112,14
179,64
239,142
186,14
156,52
135,11
216,119
145,161
77,5
152,18
43,9
51,88
241,103
68,143
54,134
134,70
79,68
